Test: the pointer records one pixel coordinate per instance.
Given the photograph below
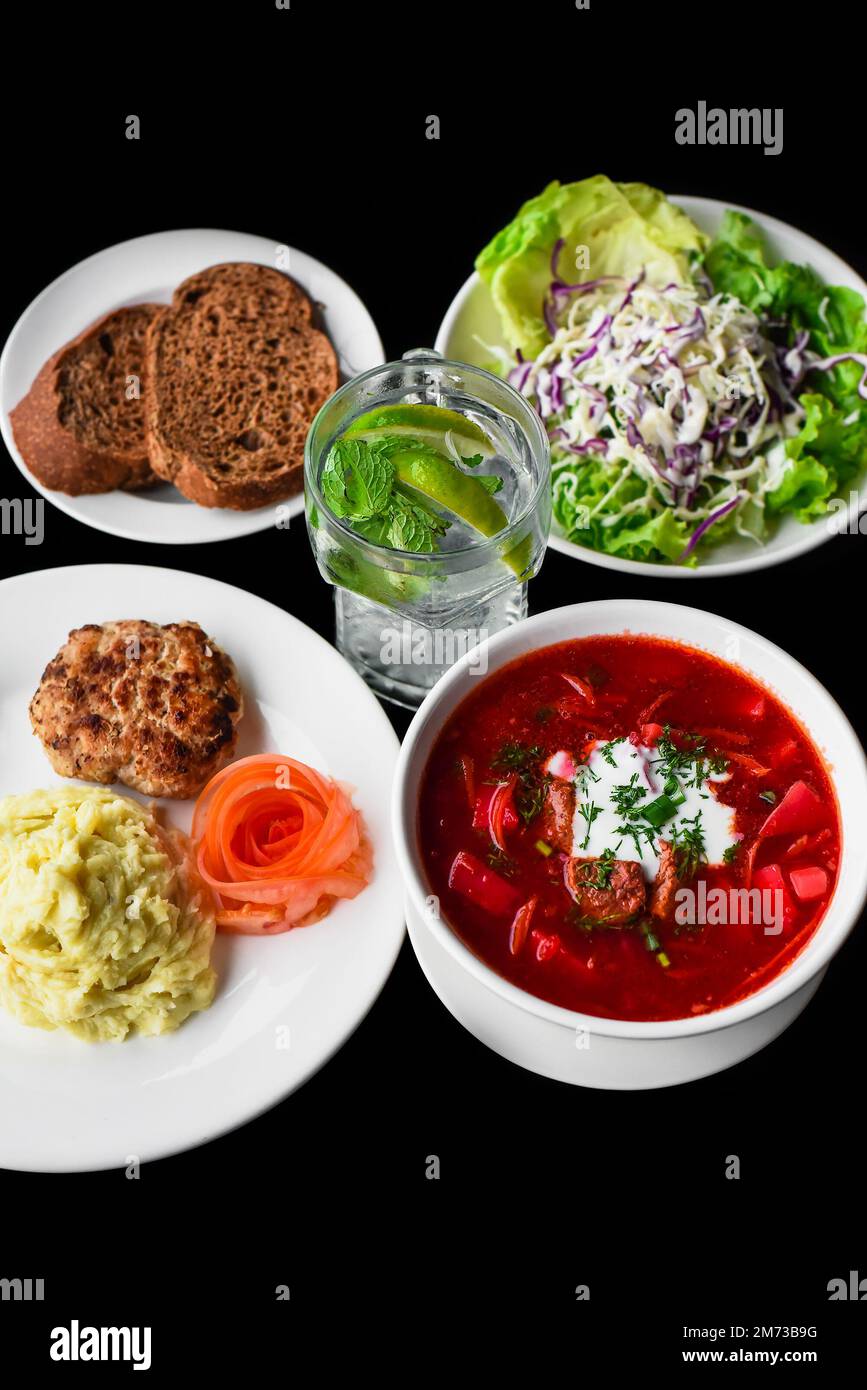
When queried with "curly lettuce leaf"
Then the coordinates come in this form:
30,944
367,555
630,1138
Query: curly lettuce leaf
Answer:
830,449
623,226
660,537
824,455
737,265
587,515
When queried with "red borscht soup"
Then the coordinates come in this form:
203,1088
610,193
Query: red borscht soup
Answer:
629,827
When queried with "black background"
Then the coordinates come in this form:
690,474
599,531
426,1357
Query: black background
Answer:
308,127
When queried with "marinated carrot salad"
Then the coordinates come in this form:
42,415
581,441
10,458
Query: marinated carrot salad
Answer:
278,843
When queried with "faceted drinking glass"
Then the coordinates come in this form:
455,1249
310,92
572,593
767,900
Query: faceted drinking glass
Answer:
402,618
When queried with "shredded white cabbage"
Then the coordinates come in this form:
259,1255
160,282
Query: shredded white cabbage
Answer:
678,387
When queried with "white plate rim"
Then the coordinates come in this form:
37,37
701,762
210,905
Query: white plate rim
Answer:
815,534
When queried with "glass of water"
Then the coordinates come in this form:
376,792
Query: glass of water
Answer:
428,501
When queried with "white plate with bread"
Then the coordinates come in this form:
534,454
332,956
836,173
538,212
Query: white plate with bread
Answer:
161,390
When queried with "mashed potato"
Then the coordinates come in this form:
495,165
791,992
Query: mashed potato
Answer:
104,930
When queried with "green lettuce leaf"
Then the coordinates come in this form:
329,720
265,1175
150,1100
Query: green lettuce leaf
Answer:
825,455
830,449
588,516
623,226
660,536
736,262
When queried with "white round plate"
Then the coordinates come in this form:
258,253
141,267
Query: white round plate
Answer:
284,1005
472,317
149,268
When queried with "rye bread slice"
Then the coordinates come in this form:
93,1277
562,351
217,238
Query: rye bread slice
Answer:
81,427
237,372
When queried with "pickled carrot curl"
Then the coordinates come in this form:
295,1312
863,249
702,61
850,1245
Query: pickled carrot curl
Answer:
278,843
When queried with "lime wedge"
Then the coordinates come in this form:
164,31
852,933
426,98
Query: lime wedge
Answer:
385,587
428,423
414,417
443,482
433,473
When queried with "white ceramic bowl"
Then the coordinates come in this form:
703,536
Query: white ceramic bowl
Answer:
610,1053
471,316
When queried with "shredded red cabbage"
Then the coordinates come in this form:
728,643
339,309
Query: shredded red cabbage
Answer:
826,364
627,299
603,327
708,522
726,424
548,314
518,375
590,446
558,288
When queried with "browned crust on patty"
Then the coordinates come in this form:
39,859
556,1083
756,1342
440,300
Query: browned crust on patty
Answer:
155,708
238,373
76,429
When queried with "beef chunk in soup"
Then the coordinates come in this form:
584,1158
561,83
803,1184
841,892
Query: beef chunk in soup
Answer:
611,892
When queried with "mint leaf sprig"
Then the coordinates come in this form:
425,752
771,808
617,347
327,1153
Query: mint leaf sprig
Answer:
359,484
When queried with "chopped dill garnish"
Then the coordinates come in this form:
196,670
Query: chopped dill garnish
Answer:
626,797
523,762
515,757
607,753
584,772
588,810
687,841
502,863
597,874
634,831
689,765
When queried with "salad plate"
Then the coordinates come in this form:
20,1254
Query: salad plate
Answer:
284,1004
473,331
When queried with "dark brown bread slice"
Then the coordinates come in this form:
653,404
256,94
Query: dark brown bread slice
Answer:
237,373
80,428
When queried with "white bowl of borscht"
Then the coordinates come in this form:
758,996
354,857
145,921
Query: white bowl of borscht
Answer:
630,834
